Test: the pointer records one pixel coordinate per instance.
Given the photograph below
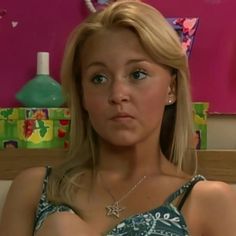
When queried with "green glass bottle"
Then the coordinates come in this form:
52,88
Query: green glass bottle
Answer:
42,91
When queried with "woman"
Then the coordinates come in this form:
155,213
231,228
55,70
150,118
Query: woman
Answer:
131,166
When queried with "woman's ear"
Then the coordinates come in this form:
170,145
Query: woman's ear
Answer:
171,96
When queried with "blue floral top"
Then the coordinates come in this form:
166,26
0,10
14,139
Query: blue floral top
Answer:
166,220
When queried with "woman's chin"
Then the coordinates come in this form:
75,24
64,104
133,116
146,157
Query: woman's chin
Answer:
122,141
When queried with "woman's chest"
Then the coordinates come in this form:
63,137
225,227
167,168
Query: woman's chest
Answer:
143,211
164,220
135,218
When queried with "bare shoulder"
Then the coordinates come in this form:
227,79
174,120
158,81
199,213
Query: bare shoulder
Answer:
22,201
28,183
214,191
216,204
29,175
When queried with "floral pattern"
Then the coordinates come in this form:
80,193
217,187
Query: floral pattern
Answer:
186,28
165,220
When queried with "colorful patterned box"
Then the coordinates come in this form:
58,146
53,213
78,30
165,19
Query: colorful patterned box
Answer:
34,127
200,111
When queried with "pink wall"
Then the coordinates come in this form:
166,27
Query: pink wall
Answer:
44,25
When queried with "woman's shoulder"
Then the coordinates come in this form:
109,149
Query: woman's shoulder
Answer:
215,194
215,202
27,185
214,191
33,172
21,202
29,179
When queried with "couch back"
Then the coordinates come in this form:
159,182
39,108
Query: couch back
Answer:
4,187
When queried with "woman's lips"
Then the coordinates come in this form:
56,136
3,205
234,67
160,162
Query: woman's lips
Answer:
122,117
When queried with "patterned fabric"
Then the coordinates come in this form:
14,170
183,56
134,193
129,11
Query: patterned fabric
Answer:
166,220
45,208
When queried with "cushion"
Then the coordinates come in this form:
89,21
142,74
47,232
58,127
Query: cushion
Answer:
4,187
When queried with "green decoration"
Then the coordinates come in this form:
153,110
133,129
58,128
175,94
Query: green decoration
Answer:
42,91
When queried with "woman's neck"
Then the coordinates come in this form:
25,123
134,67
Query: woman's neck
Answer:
127,161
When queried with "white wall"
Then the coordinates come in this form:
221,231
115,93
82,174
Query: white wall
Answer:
221,132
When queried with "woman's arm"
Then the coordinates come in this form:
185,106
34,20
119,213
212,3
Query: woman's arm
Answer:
21,203
217,201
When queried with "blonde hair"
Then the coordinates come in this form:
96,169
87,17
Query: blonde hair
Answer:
162,43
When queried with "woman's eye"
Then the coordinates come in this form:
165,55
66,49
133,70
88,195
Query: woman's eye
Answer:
139,75
99,79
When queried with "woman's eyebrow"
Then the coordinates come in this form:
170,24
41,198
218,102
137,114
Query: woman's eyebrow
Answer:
133,61
129,62
95,63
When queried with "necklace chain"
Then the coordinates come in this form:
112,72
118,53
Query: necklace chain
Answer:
114,209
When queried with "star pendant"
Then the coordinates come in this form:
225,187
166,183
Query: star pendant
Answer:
114,209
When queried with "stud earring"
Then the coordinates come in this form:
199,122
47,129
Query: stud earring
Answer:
170,101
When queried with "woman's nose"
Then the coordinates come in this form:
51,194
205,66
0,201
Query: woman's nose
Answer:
119,92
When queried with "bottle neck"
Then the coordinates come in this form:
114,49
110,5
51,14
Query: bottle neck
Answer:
42,63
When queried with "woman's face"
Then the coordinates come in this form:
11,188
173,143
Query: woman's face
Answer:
124,90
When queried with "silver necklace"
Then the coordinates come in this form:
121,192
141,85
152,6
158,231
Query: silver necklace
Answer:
114,209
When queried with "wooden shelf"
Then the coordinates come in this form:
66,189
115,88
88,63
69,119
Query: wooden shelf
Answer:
218,164
13,161
213,164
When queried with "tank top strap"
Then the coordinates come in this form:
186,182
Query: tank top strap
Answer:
184,191
45,180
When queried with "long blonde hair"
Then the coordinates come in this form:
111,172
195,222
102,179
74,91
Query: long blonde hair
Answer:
162,43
